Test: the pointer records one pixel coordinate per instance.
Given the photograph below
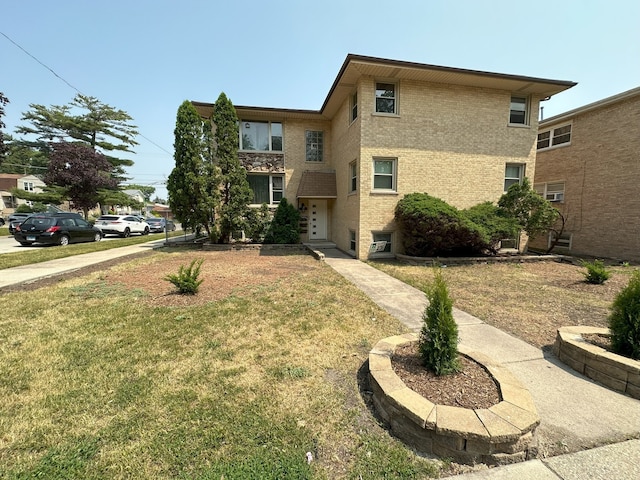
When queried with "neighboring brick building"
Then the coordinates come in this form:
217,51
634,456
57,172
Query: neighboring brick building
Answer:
588,164
388,128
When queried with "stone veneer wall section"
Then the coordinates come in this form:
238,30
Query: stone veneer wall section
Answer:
500,434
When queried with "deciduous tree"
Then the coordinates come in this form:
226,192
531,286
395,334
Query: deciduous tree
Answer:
81,171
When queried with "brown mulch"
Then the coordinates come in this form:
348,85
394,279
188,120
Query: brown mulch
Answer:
472,387
602,341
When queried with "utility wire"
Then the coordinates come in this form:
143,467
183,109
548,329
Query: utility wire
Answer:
74,88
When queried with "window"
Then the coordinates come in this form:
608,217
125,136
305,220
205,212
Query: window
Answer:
315,144
564,241
554,137
352,240
518,112
386,98
267,189
513,173
554,192
28,186
262,136
384,174
381,242
354,106
353,176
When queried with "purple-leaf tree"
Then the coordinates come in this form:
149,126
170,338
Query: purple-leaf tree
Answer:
81,171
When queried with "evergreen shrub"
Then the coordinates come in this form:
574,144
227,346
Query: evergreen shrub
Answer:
624,321
285,226
438,341
186,280
596,272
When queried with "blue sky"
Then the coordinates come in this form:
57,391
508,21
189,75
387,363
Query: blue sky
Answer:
147,56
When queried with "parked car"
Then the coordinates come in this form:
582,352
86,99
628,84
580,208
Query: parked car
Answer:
16,219
123,225
158,224
55,229
1,222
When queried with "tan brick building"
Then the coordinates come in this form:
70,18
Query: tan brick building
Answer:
588,164
388,128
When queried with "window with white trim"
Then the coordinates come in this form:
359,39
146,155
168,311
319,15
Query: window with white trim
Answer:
552,191
386,97
563,242
28,186
315,145
261,136
352,240
354,106
353,176
267,189
382,242
559,136
384,174
513,173
519,111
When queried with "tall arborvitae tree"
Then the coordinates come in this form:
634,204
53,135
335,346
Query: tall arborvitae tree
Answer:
193,184
236,192
3,148
88,121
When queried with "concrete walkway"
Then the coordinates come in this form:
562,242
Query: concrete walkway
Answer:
575,412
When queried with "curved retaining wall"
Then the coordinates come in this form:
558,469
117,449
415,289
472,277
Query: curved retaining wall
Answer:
612,370
498,435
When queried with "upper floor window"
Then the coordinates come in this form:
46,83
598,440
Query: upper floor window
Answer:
353,176
519,111
262,136
554,137
513,173
354,106
384,174
267,189
315,143
28,186
386,98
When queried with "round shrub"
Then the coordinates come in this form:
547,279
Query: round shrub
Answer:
624,321
431,227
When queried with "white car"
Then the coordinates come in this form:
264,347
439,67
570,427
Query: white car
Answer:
123,225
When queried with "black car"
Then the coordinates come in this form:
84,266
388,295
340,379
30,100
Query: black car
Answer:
56,229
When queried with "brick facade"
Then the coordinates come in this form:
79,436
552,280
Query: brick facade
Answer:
601,172
450,137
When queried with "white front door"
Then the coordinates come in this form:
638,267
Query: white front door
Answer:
317,219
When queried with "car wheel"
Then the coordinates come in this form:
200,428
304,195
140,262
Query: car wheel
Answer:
97,237
64,240
146,231
126,232
25,244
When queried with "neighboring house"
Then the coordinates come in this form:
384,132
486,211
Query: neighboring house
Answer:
388,128
588,163
9,181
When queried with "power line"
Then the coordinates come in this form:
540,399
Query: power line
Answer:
72,87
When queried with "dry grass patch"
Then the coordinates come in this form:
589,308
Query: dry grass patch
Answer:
528,300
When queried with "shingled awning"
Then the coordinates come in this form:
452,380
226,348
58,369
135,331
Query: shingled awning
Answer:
317,185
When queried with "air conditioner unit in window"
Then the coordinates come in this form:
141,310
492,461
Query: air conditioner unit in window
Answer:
555,197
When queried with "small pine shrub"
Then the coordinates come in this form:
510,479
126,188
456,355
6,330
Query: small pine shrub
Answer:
186,280
624,321
438,342
596,272
285,226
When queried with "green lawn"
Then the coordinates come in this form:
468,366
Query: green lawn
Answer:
97,381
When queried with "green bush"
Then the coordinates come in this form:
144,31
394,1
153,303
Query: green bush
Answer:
624,321
186,280
492,220
438,342
285,226
258,223
596,272
431,227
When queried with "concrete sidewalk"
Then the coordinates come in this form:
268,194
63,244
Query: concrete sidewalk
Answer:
37,271
576,413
